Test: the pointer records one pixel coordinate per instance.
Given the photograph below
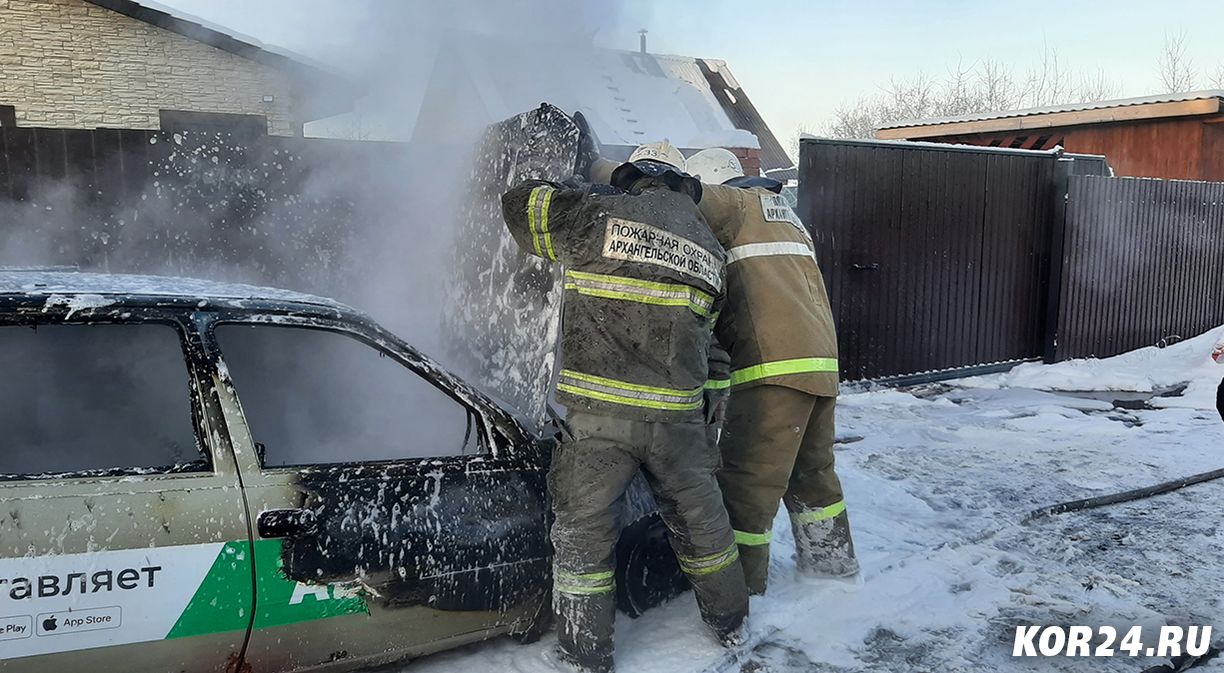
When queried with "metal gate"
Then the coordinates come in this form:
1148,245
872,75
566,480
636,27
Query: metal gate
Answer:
937,257
1143,264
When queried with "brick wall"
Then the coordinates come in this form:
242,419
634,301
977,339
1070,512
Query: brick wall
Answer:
750,159
71,64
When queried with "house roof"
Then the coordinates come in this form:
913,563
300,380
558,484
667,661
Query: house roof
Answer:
336,91
628,97
775,162
1124,109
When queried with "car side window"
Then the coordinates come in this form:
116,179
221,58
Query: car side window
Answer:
317,397
95,398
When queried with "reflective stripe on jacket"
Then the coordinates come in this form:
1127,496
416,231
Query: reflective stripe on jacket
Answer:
776,323
643,283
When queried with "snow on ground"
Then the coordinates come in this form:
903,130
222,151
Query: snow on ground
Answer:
938,478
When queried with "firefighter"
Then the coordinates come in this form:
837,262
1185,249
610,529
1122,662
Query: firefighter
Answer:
1218,356
643,277
777,441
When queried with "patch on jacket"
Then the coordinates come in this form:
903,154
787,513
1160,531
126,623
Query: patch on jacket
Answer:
775,209
639,242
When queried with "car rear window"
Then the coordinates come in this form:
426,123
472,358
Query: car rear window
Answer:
95,398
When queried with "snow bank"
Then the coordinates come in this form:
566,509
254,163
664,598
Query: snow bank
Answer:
937,480
1143,370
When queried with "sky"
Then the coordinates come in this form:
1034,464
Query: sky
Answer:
798,60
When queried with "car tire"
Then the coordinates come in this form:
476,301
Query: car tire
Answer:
647,573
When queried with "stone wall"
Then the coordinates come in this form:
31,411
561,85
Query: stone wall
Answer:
71,64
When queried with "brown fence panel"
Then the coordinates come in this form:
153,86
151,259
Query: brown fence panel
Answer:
937,258
1143,264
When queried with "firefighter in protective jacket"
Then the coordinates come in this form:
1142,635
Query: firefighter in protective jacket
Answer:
1218,355
777,441
643,277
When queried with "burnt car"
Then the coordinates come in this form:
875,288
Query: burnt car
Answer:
197,476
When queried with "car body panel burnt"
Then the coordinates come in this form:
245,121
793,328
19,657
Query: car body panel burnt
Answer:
437,552
451,535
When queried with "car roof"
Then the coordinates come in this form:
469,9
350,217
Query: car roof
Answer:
50,283
82,291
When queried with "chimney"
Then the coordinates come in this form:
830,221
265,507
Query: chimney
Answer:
642,33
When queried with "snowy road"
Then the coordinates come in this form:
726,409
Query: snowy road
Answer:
938,479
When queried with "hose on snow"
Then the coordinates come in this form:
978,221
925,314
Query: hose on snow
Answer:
1125,496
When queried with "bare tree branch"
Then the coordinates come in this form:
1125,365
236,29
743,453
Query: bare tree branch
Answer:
986,86
989,85
1217,77
1098,86
1175,67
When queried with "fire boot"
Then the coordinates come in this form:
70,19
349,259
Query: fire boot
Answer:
722,598
584,630
754,558
823,545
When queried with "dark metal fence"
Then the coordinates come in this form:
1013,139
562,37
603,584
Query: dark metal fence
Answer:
942,260
1143,264
935,257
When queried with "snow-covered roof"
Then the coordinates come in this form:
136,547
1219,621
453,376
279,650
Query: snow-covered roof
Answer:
221,37
943,147
628,97
36,282
1207,95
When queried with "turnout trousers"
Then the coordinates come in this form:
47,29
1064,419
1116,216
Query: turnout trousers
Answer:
588,479
777,445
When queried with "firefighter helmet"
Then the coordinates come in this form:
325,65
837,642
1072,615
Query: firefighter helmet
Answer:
662,152
714,166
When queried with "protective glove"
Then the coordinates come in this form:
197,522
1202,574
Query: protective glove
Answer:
574,182
588,147
716,407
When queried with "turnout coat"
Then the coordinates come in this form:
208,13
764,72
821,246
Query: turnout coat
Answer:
644,277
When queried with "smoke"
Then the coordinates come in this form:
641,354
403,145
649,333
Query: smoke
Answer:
373,225
401,202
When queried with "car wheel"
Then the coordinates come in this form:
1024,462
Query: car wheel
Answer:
647,573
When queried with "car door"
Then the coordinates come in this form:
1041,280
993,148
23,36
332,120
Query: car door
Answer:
390,520
124,544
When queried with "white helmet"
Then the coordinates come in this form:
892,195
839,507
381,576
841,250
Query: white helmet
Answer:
714,166
662,152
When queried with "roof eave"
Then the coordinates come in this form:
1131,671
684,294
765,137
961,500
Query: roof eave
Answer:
1190,108
744,115
305,76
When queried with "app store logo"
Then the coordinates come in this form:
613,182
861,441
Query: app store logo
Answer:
78,621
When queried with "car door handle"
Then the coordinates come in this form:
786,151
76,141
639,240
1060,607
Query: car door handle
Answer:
865,267
279,523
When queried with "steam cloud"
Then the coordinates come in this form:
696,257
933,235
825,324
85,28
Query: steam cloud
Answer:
374,231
